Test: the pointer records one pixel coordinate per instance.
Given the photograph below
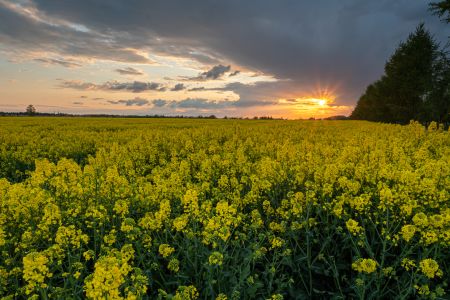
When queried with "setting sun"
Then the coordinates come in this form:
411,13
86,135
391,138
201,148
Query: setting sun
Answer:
319,101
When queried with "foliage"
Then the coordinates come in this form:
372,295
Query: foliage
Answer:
223,209
415,86
442,9
31,110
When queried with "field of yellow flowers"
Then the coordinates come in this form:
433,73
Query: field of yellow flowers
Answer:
223,209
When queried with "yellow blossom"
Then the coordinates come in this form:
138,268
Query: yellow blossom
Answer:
353,227
174,265
408,232
35,271
186,293
408,264
420,219
216,258
276,242
165,250
430,268
366,265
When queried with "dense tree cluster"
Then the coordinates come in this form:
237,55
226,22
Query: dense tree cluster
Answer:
415,86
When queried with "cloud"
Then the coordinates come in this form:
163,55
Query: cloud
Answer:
343,43
129,71
159,102
61,62
197,89
135,86
190,103
215,73
78,85
178,87
77,103
262,93
132,102
198,103
28,31
235,73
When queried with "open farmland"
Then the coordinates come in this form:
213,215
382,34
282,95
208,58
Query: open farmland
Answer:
223,209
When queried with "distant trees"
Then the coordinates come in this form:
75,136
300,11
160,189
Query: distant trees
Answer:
416,84
31,110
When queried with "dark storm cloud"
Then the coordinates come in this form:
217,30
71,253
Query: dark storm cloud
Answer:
309,42
24,32
135,86
129,71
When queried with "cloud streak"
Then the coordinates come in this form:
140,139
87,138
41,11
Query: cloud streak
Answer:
60,62
134,86
132,102
129,71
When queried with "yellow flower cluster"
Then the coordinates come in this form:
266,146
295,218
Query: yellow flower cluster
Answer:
35,271
366,265
408,232
216,258
430,268
110,275
186,293
222,209
174,265
353,227
165,250
70,236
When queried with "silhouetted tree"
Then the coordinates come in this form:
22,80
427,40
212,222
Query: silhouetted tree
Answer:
413,86
442,9
31,110
437,101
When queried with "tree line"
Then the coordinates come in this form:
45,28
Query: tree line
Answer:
416,81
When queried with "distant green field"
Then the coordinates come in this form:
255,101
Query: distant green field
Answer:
222,209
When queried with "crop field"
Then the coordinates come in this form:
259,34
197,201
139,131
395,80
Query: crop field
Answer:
223,209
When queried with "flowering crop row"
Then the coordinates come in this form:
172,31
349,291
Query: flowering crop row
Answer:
223,209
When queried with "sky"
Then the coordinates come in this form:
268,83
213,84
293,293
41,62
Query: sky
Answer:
280,58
